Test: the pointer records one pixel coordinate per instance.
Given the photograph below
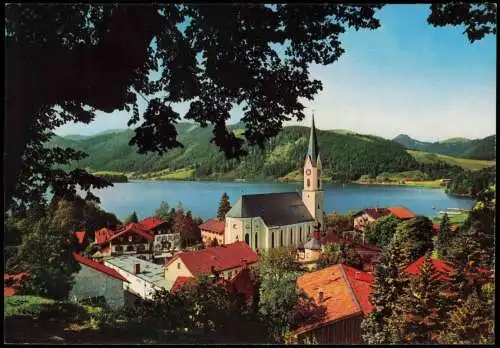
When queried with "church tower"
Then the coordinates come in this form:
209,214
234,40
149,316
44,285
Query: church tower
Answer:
312,195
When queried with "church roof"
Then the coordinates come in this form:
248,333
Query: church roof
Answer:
276,209
313,150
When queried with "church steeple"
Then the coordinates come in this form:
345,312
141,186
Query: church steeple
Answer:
313,151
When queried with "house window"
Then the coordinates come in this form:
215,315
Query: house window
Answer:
130,239
229,274
130,248
178,265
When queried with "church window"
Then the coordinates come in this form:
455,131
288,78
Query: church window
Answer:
234,225
318,183
272,239
291,236
256,245
308,182
281,237
247,238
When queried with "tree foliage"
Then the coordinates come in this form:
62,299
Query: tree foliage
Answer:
383,323
184,224
111,46
381,232
479,19
417,235
339,222
471,183
444,238
224,207
131,219
46,255
339,253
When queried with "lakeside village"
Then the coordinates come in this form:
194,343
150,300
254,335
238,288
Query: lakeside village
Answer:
337,258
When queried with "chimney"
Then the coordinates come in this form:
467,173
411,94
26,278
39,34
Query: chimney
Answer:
137,268
320,296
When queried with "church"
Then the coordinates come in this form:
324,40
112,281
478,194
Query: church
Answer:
271,220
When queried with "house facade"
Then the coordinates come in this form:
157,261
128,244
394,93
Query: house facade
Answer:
143,277
225,260
271,220
212,230
95,280
368,216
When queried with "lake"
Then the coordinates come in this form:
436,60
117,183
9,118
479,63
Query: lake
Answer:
202,197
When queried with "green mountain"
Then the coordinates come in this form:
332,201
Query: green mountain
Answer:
345,156
480,149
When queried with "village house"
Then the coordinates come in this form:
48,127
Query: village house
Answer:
143,277
367,216
225,260
11,283
212,230
272,220
343,292
95,281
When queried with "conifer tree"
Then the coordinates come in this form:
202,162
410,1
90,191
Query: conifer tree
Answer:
423,305
444,237
224,207
469,323
132,219
390,283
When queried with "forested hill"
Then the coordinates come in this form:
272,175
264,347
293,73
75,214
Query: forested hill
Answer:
345,156
480,149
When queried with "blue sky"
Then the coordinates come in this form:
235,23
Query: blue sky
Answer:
405,77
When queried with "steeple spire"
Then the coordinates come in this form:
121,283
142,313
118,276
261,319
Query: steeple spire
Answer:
313,150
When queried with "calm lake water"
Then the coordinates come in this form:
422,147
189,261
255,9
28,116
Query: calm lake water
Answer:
202,197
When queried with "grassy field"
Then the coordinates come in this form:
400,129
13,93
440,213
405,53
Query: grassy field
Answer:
469,164
457,219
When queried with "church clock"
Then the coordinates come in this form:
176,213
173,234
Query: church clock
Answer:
308,171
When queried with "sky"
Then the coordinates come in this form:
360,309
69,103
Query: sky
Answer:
404,77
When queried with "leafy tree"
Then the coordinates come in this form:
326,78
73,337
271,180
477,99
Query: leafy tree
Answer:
276,260
132,219
186,227
100,37
444,237
46,254
339,222
335,253
224,207
469,323
382,231
479,19
417,234
423,305
163,212
390,284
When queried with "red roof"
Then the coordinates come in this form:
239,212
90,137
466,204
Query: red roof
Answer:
134,228
150,223
213,225
346,293
221,257
80,236
98,267
244,283
443,269
401,212
103,235
180,281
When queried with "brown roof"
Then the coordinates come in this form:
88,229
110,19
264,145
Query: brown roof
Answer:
346,292
213,225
